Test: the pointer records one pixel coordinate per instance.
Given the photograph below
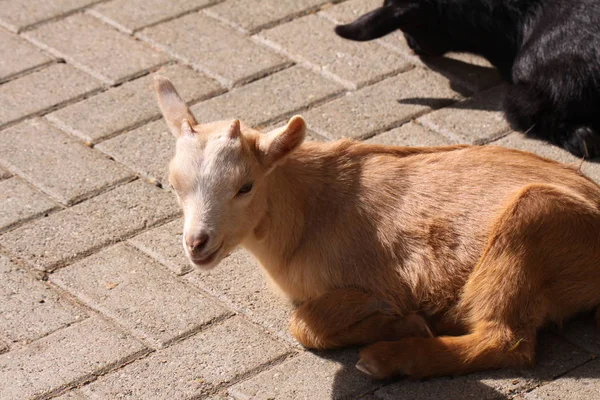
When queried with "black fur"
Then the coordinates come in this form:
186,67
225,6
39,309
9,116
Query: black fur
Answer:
549,50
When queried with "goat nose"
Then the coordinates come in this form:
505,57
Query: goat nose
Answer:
197,242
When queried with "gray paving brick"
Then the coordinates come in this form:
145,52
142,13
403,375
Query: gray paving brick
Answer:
65,358
17,15
56,163
137,292
213,48
410,134
129,105
324,376
240,282
66,235
270,98
253,18
191,367
479,119
43,90
311,41
146,150
555,357
96,48
132,15
20,203
164,244
382,106
519,141
29,308
468,73
18,56
579,384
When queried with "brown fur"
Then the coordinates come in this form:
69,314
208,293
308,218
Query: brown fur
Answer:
488,244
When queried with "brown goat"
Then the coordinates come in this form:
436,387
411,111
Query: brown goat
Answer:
485,245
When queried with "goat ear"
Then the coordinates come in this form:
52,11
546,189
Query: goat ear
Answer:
376,23
278,144
176,113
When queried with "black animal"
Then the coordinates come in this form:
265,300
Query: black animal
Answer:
548,50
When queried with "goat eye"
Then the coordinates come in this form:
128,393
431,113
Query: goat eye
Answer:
245,189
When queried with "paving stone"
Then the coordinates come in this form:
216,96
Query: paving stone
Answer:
29,308
410,134
137,292
18,56
129,105
382,106
220,52
579,384
253,18
146,150
69,234
311,41
20,203
132,15
17,15
555,357
191,367
309,376
164,244
468,73
56,163
65,358
583,333
239,281
270,98
43,90
519,141
477,120
96,48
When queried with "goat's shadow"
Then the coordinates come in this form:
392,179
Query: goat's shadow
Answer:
571,351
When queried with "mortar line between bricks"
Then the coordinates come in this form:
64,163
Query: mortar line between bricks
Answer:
77,199
30,218
128,128
96,14
49,109
248,374
561,375
220,79
146,339
51,19
75,63
329,75
95,249
217,297
267,25
28,71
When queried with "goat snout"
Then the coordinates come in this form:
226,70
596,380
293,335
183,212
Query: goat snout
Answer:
196,242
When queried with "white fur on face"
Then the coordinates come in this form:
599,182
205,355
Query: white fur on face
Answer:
207,173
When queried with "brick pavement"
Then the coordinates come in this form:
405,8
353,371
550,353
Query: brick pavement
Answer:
96,298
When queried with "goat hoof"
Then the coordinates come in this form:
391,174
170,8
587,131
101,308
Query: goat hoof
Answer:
380,361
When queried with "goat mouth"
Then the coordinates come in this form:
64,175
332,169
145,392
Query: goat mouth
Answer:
207,259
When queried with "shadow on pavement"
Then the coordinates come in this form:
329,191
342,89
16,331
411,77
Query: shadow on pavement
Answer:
560,352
